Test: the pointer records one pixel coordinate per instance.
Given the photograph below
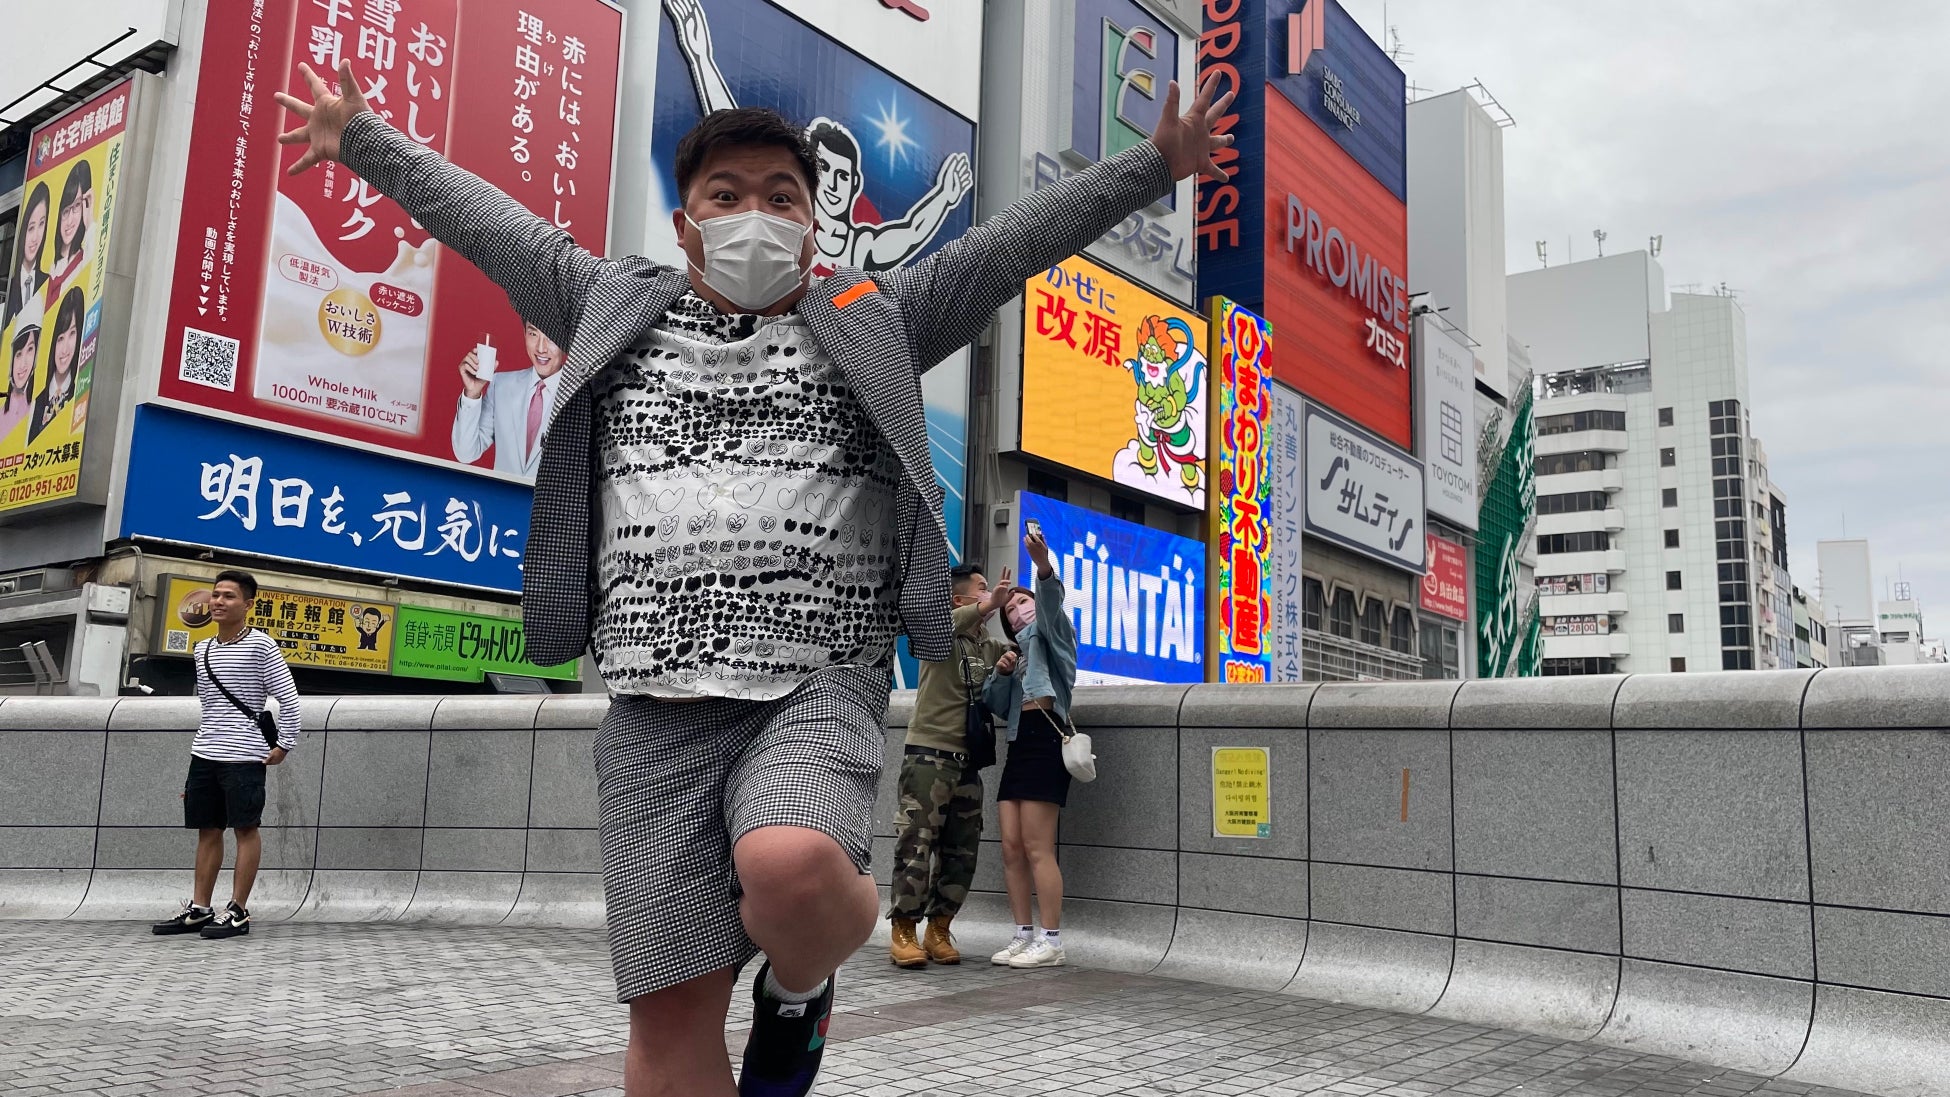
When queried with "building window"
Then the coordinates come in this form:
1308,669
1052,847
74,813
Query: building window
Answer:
1312,597
1595,541
1556,464
1668,457
1556,667
1675,622
1581,420
1127,510
1679,666
1576,502
1401,631
1441,651
1341,621
1736,660
1373,615
1675,580
1669,497
1672,538
1048,486
1665,417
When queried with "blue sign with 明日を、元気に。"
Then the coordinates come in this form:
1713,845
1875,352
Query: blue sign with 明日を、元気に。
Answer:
202,481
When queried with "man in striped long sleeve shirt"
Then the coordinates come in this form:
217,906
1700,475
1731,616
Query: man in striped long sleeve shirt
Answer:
236,671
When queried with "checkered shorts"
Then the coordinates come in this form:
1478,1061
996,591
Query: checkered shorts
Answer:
679,783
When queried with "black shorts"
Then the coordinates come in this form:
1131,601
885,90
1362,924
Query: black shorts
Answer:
223,795
1035,770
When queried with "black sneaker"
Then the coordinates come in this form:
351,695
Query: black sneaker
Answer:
192,918
787,1042
231,921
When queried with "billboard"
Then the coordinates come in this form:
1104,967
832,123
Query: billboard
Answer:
51,323
1093,80
1445,589
1135,594
201,481
1506,642
315,305
1445,407
314,630
1363,493
1288,522
1313,238
452,646
1241,538
1114,382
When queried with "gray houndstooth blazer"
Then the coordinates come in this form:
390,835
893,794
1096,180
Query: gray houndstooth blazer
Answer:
884,332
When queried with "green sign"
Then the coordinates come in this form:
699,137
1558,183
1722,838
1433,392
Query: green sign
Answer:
1505,642
462,647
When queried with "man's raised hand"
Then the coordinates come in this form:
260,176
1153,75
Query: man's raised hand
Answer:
326,116
1188,140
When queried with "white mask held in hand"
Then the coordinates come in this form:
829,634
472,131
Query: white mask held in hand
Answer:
751,259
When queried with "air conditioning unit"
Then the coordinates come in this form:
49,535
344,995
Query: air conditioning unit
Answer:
37,581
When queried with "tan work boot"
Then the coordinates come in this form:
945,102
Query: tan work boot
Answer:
905,951
939,944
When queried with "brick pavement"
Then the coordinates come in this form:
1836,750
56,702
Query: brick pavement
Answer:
105,1009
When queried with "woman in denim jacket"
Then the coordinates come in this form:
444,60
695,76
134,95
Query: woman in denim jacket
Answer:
1033,691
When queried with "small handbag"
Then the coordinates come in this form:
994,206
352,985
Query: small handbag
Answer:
1077,756
978,730
267,724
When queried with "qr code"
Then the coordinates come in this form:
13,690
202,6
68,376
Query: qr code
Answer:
176,640
208,360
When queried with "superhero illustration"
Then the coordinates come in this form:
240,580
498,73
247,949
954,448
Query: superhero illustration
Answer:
1168,447
845,236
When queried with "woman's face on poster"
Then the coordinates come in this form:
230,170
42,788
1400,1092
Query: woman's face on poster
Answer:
23,371
33,234
71,219
66,342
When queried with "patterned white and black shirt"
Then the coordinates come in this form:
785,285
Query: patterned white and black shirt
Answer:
748,529
252,667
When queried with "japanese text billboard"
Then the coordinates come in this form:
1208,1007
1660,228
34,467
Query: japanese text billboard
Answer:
1289,510
200,481
1363,493
1445,408
1135,594
1114,382
1445,589
52,323
1241,540
313,303
452,646
314,630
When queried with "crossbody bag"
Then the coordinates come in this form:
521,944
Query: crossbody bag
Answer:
978,730
1077,755
267,724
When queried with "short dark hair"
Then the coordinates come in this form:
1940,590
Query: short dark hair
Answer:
742,126
242,578
829,135
961,574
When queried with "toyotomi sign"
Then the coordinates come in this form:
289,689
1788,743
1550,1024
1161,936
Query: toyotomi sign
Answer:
1446,411
1363,493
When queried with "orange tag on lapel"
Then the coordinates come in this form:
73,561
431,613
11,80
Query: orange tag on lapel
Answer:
853,293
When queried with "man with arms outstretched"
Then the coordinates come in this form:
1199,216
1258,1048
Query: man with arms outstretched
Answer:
735,514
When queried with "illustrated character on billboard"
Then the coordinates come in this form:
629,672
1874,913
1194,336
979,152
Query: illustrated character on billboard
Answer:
369,623
841,235
63,363
29,282
507,410
1170,373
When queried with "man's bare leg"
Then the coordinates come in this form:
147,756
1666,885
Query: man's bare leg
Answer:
250,850
677,1044
806,904
209,861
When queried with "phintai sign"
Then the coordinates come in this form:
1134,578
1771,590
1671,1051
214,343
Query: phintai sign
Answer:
1242,792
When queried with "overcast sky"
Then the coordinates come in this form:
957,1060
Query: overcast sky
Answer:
1798,152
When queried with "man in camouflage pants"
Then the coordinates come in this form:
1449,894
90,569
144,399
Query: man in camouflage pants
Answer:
941,794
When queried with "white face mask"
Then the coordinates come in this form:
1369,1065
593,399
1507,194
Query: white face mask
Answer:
751,258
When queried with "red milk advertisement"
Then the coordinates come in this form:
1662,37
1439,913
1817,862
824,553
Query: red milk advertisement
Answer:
317,304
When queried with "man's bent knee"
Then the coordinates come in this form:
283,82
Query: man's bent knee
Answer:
792,869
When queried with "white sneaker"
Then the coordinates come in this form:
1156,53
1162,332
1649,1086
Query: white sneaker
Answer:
1040,953
1008,955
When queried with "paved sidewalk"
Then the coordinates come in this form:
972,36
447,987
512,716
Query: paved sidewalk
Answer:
106,1009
